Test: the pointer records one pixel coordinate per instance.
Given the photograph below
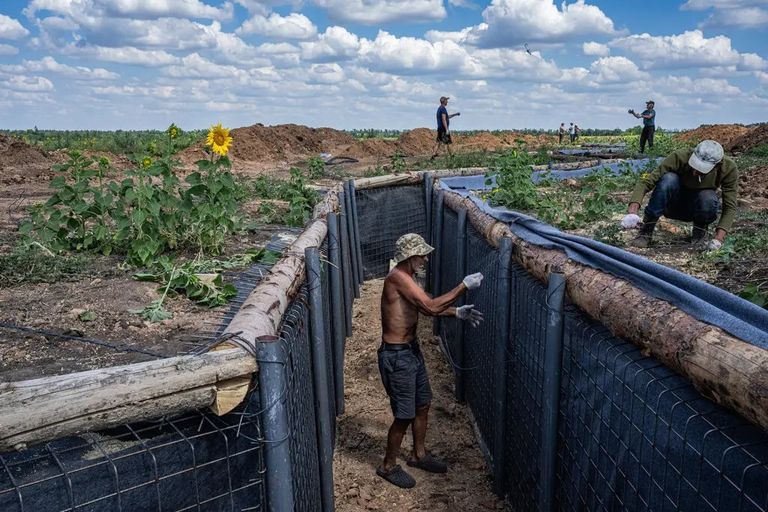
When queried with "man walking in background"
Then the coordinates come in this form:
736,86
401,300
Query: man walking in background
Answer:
401,362
572,133
443,126
649,124
561,133
685,188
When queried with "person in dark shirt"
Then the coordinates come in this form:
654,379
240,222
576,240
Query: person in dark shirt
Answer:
443,124
560,133
649,124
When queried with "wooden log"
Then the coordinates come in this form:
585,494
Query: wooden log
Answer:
262,312
721,367
40,409
414,177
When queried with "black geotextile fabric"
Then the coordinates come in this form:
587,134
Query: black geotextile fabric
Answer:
384,215
636,436
295,334
633,435
195,462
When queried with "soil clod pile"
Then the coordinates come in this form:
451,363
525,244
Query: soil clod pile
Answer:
16,153
722,133
748,140
20,161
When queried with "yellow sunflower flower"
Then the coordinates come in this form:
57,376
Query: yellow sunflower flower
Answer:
146,162
173,131
219,139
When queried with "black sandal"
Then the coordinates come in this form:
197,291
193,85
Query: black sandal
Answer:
397,476
429,463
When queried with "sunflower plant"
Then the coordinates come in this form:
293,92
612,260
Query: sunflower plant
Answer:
214,196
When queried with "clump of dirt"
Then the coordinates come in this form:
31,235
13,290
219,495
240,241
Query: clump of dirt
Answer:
280,142
754,137
722,133
368,148
753,187
419,141
15,152
21,162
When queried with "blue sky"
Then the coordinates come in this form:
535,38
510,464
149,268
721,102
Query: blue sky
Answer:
138,64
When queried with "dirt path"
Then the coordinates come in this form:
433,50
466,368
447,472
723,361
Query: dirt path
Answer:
363,430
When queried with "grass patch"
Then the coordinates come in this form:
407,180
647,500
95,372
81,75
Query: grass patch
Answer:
31,264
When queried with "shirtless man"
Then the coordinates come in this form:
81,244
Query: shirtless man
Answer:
401,362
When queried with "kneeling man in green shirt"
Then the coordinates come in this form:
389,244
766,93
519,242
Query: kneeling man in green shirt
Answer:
685,188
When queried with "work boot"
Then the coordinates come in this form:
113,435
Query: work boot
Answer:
699,234
643,239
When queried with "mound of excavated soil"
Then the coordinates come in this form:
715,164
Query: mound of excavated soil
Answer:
748,140
722,133
17,153
281,142
753,186
420,141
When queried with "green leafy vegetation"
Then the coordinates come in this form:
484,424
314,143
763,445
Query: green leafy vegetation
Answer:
753,157
301,198
118,142
30,263
142,216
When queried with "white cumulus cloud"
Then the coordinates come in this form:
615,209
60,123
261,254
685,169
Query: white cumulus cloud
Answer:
373,12
513,22
293,26
615,70
135,9
28,83
11,28
6,49
50,65
410,55
335,44
596,49
689,49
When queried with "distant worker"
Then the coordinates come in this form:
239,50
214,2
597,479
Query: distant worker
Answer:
561,133
443,126
572,133
401,362
685,188
649,124
576,132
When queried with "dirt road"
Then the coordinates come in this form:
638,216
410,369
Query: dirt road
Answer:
363,430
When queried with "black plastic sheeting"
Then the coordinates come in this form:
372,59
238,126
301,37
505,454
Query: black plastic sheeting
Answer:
385,214
633,435
701,300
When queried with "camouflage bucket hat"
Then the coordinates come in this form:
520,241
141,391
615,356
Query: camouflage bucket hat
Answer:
411,245
706,156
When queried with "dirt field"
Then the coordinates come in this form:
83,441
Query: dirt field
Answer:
363,431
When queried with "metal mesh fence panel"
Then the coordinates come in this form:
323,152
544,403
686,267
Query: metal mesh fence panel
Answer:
525,356
327,321
385,214
301,405
479,342
198,461
449,327
636,436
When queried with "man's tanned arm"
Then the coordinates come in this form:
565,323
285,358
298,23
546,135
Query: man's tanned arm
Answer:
431,306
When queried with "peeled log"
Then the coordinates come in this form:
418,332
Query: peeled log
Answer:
42,409
723,368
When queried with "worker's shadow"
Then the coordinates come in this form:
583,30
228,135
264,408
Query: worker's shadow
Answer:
363,438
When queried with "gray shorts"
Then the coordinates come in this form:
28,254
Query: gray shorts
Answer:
405,378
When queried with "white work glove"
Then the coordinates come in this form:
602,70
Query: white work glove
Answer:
473,281
630,221
714,244
473,316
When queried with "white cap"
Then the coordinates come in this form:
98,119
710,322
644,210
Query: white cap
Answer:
706,156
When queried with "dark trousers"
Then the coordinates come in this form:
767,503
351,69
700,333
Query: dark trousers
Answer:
673,201
647,136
